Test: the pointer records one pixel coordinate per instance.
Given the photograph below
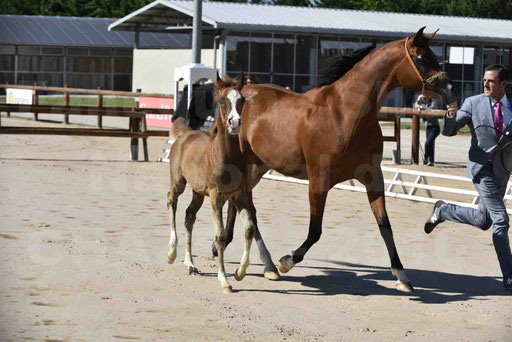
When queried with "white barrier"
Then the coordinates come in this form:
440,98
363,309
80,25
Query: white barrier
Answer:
409,189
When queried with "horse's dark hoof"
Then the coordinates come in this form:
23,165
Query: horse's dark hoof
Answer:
237,276
192,270
214,250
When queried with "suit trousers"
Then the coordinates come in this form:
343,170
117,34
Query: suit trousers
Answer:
491,211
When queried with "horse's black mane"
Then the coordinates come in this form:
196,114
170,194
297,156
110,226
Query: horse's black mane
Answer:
335,67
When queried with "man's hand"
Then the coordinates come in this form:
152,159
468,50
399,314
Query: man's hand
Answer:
452,110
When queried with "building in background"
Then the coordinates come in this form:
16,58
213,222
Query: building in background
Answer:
279,44
287,45
77,52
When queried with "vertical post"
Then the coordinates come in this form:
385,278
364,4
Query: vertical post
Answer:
197,32
415,139
136,37
100,105
143,129
66,103
134,142
222,49
397,154
36,101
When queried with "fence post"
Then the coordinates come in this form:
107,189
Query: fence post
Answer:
415,139
134,142
36,101
66,103
100,104
397,154
143,129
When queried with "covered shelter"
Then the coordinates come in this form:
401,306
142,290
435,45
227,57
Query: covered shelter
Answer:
287,45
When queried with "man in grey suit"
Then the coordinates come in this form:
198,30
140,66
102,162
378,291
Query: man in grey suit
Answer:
487,115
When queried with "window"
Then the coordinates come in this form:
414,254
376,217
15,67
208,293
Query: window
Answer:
6,63
284,50
237,53
261,52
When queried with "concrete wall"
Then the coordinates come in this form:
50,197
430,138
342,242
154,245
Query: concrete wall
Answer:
153,70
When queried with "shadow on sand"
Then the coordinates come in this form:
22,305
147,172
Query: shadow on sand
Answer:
431,287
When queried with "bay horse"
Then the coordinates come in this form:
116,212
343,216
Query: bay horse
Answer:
212,164
332,134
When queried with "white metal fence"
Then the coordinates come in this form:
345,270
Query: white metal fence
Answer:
398,188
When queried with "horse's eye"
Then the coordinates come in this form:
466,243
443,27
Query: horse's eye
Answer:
420,57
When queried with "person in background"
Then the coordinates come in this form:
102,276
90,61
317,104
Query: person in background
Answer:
433,128
488,115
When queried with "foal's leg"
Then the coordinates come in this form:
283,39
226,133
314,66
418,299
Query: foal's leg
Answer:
250,230
317,198
230,227
216,203
172,202
270,271
375,192
190,218
175,191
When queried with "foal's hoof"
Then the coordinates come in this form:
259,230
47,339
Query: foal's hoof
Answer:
285,264
227,289
214,250
192,270
272,275
237,276
171,256
404,287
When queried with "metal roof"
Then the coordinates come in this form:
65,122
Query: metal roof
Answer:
165,14
72,31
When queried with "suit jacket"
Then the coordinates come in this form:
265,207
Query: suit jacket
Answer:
476,112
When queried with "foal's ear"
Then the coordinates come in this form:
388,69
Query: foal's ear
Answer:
418,37
430,36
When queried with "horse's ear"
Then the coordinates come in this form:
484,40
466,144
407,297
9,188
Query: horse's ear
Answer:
218,77
430,36
242,79
418,37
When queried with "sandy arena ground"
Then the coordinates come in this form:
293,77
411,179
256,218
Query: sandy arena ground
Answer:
84,235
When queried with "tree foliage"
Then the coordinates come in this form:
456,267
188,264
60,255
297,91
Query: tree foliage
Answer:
499,9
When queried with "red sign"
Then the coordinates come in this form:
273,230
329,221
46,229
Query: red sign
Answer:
157,120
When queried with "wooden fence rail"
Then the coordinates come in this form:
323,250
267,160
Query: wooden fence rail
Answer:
138,122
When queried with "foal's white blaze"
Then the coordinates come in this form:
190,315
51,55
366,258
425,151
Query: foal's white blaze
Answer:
234,119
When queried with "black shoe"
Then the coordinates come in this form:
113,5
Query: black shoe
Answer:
507,282
434,218
430,164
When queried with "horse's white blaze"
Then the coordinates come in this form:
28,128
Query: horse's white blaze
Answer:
234,117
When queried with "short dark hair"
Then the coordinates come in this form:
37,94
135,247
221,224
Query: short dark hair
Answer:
502,71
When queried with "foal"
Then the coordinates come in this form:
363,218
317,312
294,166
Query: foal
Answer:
212,165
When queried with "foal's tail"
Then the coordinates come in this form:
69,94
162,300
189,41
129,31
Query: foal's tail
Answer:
179,127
